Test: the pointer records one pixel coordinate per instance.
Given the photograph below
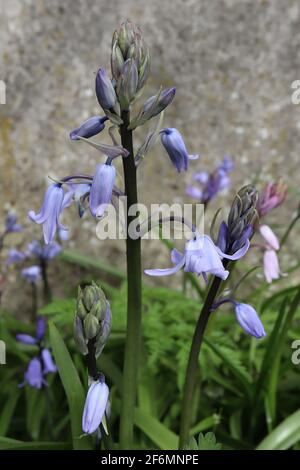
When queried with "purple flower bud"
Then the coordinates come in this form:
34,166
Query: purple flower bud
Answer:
50,211
63,234
33,376
15,256
175,147
248,319
102,188
11,224
48,363
95,406
271,196
92,126
31,274
44,252
41,326
26,339
104,90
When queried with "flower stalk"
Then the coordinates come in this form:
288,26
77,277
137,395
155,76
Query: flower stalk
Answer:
134,296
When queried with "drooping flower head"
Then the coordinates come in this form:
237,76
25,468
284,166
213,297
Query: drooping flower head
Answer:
44,252
176,149
211,183
92,126
50,211
200,256
270,258
102,189
248,319
32,274
15,256
271,196
95,406
11,224
34,375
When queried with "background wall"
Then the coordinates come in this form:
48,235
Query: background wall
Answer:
232,61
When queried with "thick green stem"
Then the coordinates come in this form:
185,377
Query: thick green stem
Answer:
192,367
134,297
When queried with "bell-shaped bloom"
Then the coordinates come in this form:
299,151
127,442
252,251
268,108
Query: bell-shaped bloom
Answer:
63,234
11,224
271,266
271,196
104,90
201,257
92,126
269,237
44,252
31,274
95,406
15,256
270,260
41,326
248,319
50,211
26,339
34,376
211,183
102,189
48,363
176,149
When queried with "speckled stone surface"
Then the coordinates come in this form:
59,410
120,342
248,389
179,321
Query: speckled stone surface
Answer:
232,61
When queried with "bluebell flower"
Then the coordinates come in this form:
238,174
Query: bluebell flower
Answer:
39,333
34,375
50,211
44,252
176,149
31,274
102,189
15,256
11,224
49,366
104,90
95,406
63,234
248,319
201,256
237,249
92,126
211,183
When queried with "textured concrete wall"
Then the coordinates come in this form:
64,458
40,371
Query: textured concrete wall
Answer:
232,62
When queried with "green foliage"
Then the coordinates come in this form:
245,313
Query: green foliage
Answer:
206,441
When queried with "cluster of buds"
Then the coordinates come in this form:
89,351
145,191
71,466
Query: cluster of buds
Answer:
243,214
130,63
92,319
272,195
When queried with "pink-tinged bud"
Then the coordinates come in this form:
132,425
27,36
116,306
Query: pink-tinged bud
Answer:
269,236
271,266
271,196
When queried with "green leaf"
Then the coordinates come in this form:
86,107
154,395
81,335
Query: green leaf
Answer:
205,424
233,363
283,436
156,431
35,401
206,441
8,411
72,385
12,444
73,257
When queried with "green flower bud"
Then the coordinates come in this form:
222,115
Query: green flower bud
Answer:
80,340
90,295
80,309
90,326
117,61
104,333
243,212
127,84
99,309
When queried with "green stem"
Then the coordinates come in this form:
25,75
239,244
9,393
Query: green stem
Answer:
192,367
46,286
288,230
34,301
134,297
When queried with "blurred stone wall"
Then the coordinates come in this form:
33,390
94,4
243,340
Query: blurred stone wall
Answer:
232,61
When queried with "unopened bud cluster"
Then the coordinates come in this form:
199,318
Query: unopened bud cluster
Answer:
243,212
92,319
